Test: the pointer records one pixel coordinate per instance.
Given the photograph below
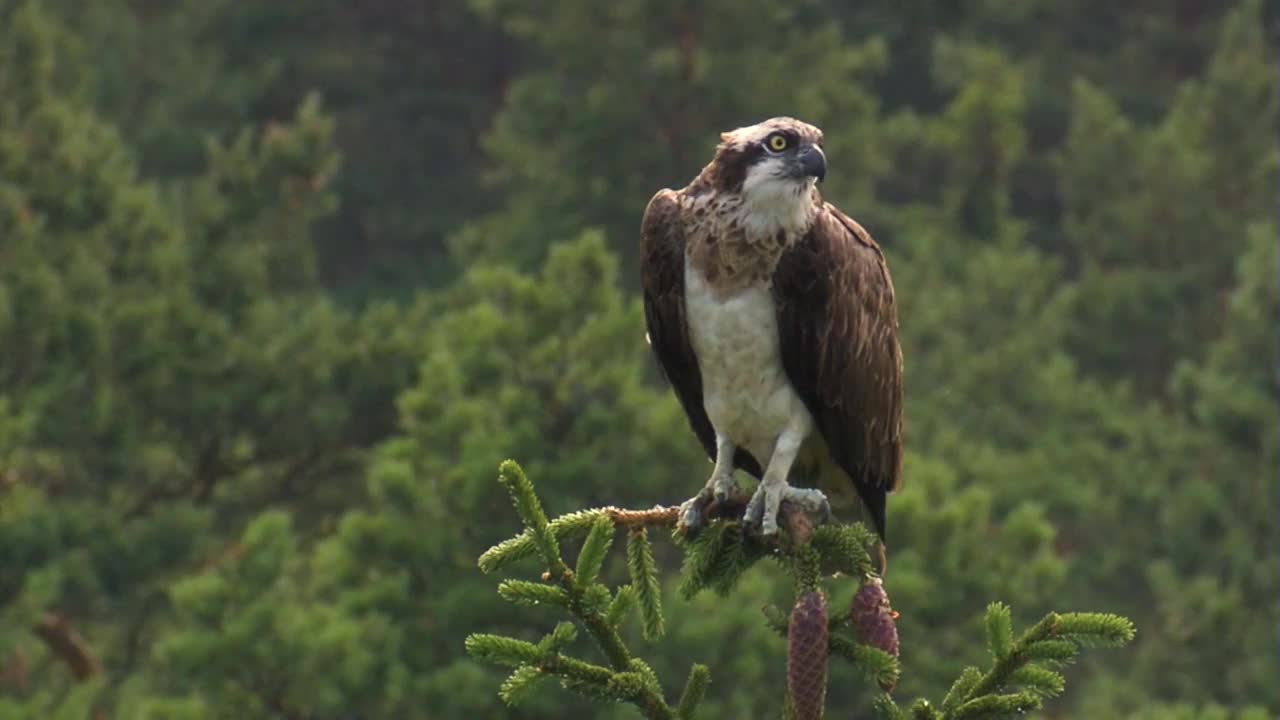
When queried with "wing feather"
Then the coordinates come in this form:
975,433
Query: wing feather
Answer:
838,325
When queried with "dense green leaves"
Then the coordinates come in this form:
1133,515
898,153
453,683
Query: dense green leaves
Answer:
281,283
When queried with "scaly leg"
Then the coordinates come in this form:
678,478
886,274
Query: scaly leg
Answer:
763,509
720,485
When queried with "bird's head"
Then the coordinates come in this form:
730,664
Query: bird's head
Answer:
777,161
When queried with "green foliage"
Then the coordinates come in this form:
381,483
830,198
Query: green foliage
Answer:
644,579
630,679
1022,671
278,281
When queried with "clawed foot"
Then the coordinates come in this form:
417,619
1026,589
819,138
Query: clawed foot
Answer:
693,511
766,503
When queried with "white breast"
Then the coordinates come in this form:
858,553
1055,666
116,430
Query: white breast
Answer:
745,391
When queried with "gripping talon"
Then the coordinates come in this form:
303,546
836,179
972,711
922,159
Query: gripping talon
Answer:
766,504
724,487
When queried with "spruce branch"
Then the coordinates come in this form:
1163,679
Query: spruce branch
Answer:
695,688
961,688
874,663
1080,629
530,509
523,545
627,678
519,683
886,708
623,600
1021,676
591,557
503,650
644,578
989,706
843,549
717,557
524,592
999,630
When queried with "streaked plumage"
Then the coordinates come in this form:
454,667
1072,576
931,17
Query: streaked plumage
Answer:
772,315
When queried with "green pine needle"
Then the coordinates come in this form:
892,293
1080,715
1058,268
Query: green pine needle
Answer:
642,668
776,619
805,567
507,552
584,672
843,548
993,706
591,690
627,685
1058,652
644,578
961,689
558,639
999,630
591,681
1095,629
1042,681
886,708
518,685
565,527
503,650
702,558
595,598
530,510
1021,675
717,558
743,553
695,688
623,600
875,663
594,550
523,592
922,710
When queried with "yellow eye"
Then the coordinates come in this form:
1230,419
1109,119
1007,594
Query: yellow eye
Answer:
777,143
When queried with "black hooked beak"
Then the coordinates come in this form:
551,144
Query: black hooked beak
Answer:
813,162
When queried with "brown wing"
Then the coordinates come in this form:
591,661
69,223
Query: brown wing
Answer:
838,326
662,246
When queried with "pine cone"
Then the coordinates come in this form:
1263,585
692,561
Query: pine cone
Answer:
807,656
873,618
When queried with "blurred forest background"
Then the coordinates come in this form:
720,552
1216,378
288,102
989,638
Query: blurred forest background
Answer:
282,283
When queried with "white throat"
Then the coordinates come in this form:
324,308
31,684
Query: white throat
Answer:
773,202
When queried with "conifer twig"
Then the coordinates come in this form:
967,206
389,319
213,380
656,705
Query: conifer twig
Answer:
1021,674
669,515
590,603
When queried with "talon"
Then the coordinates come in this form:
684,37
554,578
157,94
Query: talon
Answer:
755,511
724,486
766,504
690,517
691,513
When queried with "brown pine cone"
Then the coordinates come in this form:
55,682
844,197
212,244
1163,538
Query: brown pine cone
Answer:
807,656
873,618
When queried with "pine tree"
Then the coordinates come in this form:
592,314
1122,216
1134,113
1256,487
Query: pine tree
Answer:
1023,670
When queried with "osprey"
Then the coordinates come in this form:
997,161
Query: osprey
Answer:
771,313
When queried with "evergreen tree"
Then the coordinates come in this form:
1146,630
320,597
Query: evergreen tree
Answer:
243,470
716,557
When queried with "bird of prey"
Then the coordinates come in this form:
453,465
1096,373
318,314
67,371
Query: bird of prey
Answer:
772,315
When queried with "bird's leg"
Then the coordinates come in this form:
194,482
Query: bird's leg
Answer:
719,486
774,488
